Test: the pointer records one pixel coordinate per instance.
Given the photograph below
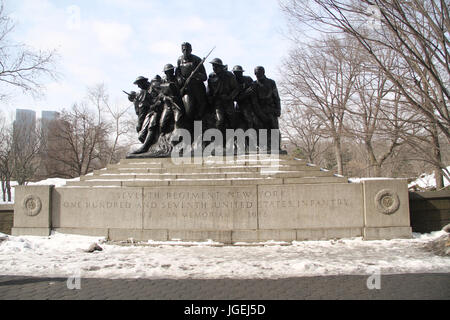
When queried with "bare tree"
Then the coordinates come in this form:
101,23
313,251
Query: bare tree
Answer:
118,117
5,158
424,142
377,113
20,66
416,32
26,147
74,142
302,128
20,145
321,79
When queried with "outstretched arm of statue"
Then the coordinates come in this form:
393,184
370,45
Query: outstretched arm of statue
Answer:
276,98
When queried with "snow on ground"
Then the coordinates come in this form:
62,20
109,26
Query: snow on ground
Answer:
57,182
64,256
359,180
427,181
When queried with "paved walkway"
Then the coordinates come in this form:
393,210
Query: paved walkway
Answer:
403,286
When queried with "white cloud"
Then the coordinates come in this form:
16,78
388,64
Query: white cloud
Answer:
164,47
194,24
113,36
128,38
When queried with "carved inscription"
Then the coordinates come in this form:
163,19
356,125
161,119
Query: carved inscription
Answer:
114,200
206,204
200,208
304,203
309,206
100,204
281,199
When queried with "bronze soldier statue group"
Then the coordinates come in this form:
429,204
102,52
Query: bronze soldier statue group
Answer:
230,101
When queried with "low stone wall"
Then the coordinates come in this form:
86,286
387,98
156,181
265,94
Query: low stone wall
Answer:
250,198
6,218
228,214
429,211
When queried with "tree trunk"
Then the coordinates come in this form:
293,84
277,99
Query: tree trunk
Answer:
375,166
3,191
8,190
338,155
437,158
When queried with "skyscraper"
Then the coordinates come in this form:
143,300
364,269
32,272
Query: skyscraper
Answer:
47,118
25,121
50,115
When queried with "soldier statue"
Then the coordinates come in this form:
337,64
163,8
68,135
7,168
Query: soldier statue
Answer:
268,100
193,93
141,102
173,111
230,101
149,105
222,90
246,103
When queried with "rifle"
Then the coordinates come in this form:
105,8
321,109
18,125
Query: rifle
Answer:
193,72
128,94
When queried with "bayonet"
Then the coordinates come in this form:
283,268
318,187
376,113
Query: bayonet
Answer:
195,71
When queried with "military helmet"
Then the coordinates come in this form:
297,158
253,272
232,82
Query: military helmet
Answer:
140,79
187,45
259,68
157,78
238,69
168,67
217,61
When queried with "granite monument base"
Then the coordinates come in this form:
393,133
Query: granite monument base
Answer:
229,200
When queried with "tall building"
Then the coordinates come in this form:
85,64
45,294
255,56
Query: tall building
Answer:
47,118
25,120
50,115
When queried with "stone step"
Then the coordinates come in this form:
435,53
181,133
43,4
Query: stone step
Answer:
212,158
175,170
218,169
208,175
206,182
204,163
212,166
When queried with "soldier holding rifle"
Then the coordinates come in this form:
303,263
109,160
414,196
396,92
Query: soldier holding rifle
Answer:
173,110
191,75
148,109
268,100
222,89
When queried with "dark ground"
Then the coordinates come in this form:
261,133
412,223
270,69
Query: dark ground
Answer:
401,286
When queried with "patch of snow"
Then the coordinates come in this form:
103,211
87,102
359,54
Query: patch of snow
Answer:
427,182
64,255
57,182
359,180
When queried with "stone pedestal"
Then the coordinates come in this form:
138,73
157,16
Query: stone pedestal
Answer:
242,199
386,210
32,210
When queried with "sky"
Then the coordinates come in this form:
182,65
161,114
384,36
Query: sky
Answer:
115,41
